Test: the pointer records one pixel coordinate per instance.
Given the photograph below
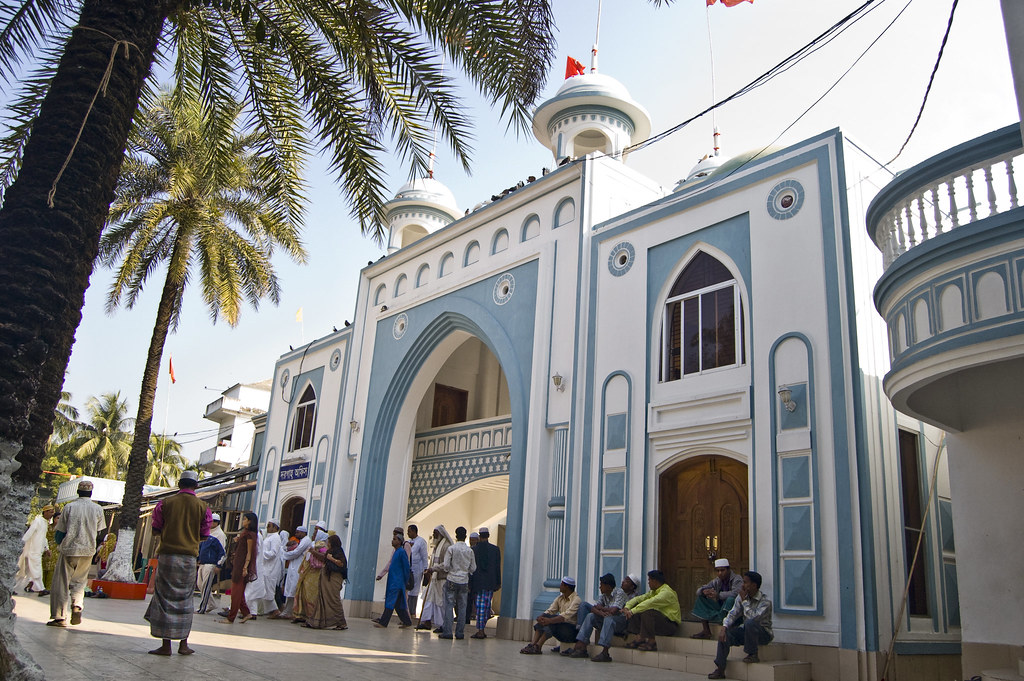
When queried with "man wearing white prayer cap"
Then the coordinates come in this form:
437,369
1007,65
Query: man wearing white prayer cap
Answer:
559,620
294,557
268,572
211,559
486,580
715,599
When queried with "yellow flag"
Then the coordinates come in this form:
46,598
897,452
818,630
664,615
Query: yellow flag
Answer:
298,315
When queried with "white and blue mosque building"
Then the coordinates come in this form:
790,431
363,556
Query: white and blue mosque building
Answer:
615,377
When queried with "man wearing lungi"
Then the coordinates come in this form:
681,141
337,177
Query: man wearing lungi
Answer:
181,522
77,532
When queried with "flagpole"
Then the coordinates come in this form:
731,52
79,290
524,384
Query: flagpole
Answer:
711,50
163,444
597,39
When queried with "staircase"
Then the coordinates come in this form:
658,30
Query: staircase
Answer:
684,654
1005,674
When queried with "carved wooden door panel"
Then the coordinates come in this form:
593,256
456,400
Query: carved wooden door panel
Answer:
702,500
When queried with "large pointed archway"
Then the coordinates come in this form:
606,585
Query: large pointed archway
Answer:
506,329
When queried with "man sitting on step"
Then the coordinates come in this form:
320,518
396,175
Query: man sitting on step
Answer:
748,624
605,615
715,599
559,620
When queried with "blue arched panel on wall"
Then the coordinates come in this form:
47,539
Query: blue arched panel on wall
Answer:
507,329
315,378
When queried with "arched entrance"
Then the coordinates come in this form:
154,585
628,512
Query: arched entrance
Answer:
702,499
292,512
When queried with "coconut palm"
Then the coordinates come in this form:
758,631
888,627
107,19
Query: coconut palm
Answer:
210,204
101,444
361,77
165,462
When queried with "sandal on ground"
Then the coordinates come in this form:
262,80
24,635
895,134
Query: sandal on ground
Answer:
579,654
56,623
648,646
479,634
245,618
635,644
702,635
530,649
601,657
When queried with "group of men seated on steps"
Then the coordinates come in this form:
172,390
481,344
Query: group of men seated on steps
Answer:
735,602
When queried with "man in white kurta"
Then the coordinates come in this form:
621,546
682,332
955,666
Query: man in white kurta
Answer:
419,558
268,572
30,562
294,557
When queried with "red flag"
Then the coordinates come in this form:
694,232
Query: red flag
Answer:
573,68
729,3
170,367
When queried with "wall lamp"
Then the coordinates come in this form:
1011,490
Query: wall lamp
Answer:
786,395
354,425
557,381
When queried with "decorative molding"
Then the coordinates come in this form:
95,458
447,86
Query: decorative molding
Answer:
504,287
400,326
785,199
621,258
335,361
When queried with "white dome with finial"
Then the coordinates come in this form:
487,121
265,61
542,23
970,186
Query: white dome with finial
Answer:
420,207
591,112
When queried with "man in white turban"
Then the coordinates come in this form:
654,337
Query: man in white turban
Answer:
433,600
294,556
30,562
268,571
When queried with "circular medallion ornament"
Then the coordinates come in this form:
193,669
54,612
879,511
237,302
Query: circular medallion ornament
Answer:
335,359
785,199
504,288
401,326
621,258
284,377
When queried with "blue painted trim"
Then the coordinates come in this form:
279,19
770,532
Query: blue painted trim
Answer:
567,200
338,430
448,259
422,275
527,223
317,344
927,648
303,378
599,506
865,508
396,364
812,425
586,395
551,339
928,552
585,110
379,294
403,278
941,165
945,248
469,251
494,241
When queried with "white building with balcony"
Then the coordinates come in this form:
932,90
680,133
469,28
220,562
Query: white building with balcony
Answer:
234,412
615,378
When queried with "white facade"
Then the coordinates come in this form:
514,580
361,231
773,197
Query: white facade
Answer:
234,411
594,365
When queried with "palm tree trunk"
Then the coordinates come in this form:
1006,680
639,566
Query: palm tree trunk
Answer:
119,567
48,253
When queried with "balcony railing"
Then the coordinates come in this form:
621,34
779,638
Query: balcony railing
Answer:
970,182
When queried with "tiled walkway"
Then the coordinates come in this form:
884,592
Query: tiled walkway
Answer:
112,641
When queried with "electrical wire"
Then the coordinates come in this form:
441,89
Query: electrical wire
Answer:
931,80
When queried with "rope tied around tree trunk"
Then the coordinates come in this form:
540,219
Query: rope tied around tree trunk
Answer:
104,81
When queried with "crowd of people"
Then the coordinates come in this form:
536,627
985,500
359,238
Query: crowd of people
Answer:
300,578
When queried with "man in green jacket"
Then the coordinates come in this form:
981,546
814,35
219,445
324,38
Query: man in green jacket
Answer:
655,613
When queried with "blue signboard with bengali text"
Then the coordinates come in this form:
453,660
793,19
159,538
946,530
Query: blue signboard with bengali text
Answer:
296,471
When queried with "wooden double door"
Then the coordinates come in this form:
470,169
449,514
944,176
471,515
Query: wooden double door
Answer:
702,499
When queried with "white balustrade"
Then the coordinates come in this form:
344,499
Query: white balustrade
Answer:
949,202
463,438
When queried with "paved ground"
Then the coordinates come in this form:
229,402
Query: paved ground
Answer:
112,641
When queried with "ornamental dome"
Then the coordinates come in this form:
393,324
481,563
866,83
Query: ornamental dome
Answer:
589,113
420,207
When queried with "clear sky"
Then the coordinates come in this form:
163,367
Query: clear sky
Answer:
662,57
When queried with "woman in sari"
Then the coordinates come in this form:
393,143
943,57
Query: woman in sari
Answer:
433,600
307,593
243,568
329,612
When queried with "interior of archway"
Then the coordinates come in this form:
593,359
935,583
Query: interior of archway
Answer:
412,234
460,387
589,141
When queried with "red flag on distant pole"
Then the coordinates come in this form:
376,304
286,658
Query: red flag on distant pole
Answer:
170,368
729,3
573,68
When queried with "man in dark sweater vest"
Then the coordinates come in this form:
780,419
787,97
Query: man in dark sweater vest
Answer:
182,522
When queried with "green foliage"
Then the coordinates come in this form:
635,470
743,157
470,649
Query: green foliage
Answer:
165,461
360,78
100,445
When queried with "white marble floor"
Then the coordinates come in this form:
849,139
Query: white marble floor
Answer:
112,641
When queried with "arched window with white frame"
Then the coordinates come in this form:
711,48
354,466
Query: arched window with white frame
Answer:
305,421
703,321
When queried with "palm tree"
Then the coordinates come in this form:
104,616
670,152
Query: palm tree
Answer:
58,459
213,205
102,443
165,462
355,75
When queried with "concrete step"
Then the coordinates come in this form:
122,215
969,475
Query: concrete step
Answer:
702,663
1002,675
